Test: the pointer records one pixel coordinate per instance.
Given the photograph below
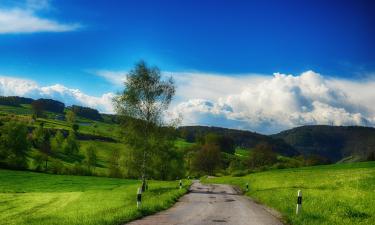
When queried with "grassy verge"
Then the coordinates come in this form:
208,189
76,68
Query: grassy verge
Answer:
35,198
333,194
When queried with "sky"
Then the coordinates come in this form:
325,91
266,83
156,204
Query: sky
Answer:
264,66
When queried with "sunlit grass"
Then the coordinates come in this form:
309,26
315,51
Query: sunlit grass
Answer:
334,194
35,198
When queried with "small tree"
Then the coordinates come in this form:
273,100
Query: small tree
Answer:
70,117
57,142
90,157
71,146
14,146
141,106
114,164
207,159
37,108
225,143
75,127
41,140
261,156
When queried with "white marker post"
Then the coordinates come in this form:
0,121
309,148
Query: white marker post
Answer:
139,197
180,184
299,202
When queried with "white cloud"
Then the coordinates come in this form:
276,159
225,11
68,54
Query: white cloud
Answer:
28,88
114,77
25,19
270,104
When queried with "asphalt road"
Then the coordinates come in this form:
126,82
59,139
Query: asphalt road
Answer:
212,204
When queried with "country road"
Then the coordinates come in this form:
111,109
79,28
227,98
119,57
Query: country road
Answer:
209,205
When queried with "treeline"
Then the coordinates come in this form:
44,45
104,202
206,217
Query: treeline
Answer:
41,105
215,154
14,100
241,138
41,150
50,105
86,112
332,142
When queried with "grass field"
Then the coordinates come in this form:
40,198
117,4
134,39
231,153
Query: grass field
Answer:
36,198
333,194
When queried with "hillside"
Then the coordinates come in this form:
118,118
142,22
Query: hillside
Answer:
242,138
332,142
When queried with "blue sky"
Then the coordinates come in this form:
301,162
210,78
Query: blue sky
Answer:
84,44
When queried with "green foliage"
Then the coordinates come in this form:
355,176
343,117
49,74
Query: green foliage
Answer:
71,145
57,142
332,194
86,112
41,141
71,117
90,157
241,138
114,167
141,106
36,198
225,143
207,159
14,146
331,142
37,108
262,156
14,100
75,127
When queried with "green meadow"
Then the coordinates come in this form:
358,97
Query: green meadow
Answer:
332,194
37,198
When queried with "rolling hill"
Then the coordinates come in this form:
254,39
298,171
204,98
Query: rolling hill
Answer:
333,142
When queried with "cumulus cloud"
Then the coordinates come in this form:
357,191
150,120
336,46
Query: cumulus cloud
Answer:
10,86
270,104
24,19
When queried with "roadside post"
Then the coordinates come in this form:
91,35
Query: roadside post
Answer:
180,184
299,202
247,187
139,197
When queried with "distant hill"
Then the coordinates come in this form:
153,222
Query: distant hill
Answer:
14,100
332,142
242,138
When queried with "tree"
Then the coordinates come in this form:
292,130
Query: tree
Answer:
41,140
37,108
225,143
75,127
262,155
207,159
71,146
70,117
14,146
114,167
57,142
90,157
141,106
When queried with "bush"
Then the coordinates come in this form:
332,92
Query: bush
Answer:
56,166
14,145
262,156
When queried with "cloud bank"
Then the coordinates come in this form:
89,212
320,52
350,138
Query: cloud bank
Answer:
269,104
27,88
262,103
24,19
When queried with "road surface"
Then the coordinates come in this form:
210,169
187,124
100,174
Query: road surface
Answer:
212,204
